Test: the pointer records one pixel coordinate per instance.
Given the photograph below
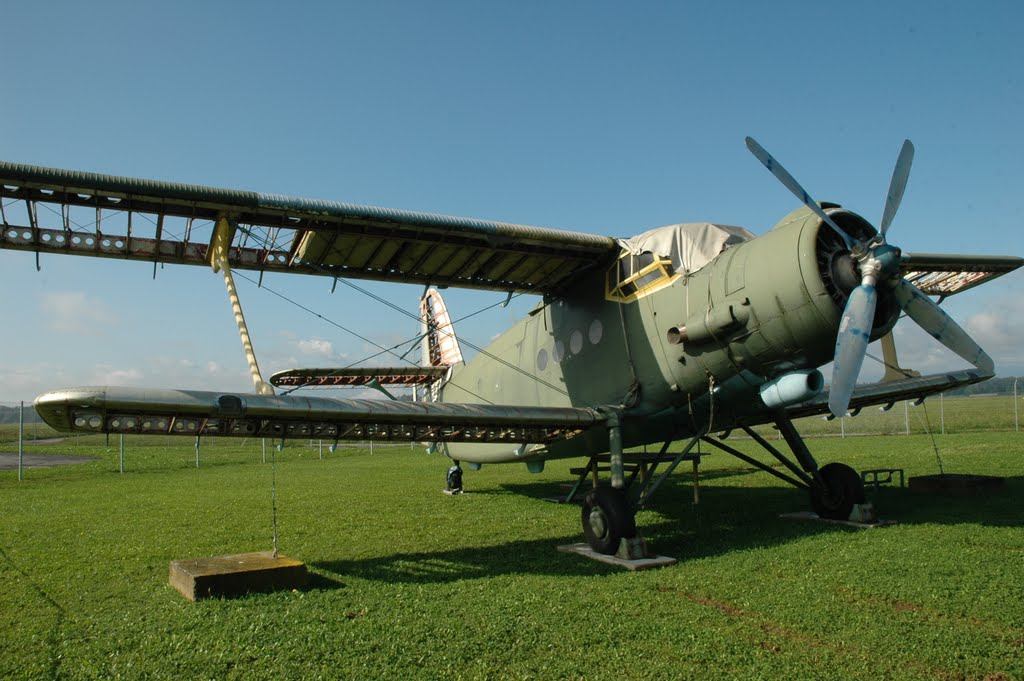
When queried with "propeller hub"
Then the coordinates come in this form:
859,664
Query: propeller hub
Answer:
845,274
888,258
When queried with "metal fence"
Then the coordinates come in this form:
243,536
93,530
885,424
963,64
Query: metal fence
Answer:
27,442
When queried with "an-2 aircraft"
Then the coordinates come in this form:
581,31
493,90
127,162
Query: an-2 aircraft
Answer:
671,336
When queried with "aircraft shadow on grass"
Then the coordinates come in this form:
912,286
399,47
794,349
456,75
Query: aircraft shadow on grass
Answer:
998,508
727,519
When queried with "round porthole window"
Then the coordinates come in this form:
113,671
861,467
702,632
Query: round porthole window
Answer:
576,342
595,332
559,352
542,360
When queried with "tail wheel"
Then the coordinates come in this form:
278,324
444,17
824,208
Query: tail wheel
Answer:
607,519
843,488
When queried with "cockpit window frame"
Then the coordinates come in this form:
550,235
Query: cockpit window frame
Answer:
634,275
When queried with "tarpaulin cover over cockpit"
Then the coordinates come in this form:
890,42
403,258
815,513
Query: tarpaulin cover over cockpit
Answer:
690,246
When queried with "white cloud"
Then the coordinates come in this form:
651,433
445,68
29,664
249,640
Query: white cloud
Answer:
107,375
999,329
73,312
315,347
996,324
26,381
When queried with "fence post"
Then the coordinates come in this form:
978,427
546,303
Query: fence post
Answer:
264,450
942,415
122,453
197,451
1016,423
21,438
906,417
321,445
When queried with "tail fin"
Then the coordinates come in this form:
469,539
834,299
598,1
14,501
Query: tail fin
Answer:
440,346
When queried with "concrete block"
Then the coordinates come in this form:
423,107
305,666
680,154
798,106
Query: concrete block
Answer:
237,574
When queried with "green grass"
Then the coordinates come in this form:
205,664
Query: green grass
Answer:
411,583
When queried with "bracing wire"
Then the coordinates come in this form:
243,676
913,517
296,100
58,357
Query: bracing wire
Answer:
416,317
931,434
270,241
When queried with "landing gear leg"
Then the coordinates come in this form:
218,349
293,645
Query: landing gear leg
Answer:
836,490
453,481
609,521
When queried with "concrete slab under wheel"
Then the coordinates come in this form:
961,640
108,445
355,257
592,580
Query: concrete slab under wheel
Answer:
811,515
237,574
648,563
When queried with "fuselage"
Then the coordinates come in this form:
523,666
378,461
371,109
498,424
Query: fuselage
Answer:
759,310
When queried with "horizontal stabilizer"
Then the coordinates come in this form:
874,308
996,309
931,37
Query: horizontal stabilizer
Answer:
194,412
357,376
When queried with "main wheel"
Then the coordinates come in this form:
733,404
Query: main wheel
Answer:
843,489
607,519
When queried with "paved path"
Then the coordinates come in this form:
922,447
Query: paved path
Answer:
9,460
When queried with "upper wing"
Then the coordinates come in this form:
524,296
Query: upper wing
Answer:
49,210
945,275
894,391
196,412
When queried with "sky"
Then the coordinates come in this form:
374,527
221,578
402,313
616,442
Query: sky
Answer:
602,117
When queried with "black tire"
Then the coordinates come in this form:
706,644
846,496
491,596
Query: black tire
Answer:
607,519
843,489
453,481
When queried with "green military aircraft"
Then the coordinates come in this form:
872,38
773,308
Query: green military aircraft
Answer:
674,335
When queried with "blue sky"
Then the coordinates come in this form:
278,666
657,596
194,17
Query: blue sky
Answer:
600,117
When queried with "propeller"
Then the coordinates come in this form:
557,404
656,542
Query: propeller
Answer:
879,263
792,185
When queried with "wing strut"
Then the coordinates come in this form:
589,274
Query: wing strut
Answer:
220,243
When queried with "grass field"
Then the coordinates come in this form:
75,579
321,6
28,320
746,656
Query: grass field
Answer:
410,583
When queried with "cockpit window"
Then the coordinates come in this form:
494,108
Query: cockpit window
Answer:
634,275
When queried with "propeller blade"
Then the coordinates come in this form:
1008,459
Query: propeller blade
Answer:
851,346
897,185
940,325
776,169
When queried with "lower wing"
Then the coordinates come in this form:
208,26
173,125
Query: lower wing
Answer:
891,392
195,412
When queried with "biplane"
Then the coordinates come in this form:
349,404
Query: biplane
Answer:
677,335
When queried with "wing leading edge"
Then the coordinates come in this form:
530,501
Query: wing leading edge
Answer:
75,212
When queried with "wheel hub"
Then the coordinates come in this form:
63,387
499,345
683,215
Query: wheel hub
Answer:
598,523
